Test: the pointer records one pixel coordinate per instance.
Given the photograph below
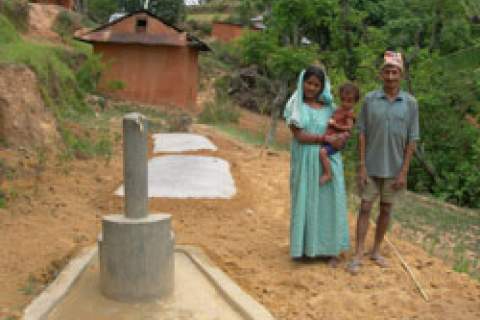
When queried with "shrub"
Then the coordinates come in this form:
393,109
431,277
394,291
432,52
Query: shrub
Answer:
66,23
17,12
219,111
8,33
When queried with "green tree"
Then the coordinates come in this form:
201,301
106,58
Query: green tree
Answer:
440,41
171,11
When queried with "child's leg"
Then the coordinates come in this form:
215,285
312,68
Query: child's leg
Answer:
327,171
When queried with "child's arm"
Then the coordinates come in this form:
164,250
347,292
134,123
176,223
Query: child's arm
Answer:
346,127
305,137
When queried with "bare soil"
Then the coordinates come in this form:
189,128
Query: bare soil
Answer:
58,209
41,20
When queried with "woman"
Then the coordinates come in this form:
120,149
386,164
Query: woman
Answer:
319,224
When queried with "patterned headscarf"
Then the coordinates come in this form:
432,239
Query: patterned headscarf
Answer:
293,113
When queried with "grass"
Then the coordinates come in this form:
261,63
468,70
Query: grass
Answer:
453,234
207,17
3,199
31,286
65,76
17,12
450,233
253,138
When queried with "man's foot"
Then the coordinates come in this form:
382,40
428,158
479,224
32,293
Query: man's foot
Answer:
379,260
333,262
353,267
324,179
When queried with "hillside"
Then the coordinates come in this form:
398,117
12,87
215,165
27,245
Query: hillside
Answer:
55,192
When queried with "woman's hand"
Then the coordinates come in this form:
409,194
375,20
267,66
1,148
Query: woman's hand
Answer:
305,137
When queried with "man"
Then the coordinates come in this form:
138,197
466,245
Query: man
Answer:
388,131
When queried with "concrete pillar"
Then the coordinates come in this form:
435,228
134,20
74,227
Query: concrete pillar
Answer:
135,171
136,250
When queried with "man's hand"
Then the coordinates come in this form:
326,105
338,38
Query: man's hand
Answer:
400,182
362,177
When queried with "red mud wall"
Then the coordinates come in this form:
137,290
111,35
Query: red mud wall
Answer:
227,32
165,75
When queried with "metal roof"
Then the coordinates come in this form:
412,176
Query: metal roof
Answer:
106,35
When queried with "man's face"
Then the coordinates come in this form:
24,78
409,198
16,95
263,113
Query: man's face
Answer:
391,76
312,87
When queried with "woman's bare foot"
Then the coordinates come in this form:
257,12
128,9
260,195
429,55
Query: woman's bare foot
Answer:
379,260
325,178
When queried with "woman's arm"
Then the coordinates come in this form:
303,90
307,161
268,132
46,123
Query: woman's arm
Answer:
305,137
340,127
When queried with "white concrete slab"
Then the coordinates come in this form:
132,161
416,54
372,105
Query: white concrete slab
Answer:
183,176
180,142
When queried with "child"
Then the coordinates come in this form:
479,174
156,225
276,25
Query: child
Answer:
339,127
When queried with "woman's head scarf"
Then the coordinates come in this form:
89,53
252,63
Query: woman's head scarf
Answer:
294,112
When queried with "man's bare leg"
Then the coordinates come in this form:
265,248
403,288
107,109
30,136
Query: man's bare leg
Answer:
362,229
327,171
383,221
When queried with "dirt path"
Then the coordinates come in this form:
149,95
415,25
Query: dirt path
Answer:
247,236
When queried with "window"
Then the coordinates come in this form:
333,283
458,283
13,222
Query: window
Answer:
141,25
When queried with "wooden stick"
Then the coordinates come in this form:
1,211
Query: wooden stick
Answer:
407,269
405,266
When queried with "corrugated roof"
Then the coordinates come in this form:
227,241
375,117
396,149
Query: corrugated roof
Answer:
104,34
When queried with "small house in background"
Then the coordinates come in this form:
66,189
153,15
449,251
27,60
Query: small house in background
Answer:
68,4
155,63
227,31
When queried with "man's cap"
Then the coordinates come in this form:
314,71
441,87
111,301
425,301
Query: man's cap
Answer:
392,58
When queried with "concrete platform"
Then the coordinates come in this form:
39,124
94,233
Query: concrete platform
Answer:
202,292
181,142
185,176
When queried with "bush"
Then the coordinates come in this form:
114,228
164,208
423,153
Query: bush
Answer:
17,12
8,33
66,23
64,75
199,28
227,53
219,111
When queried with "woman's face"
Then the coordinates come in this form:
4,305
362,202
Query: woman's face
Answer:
312,87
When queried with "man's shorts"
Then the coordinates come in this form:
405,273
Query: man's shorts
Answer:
380,186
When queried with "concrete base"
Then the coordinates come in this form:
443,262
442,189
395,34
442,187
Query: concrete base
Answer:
136,258
202,291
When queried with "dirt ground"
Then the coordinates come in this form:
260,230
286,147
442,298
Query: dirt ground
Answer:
57,211
41,20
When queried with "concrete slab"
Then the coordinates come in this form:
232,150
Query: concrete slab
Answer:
181,142
202,291
183,176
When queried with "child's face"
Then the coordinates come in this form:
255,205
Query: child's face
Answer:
348,100
312,87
